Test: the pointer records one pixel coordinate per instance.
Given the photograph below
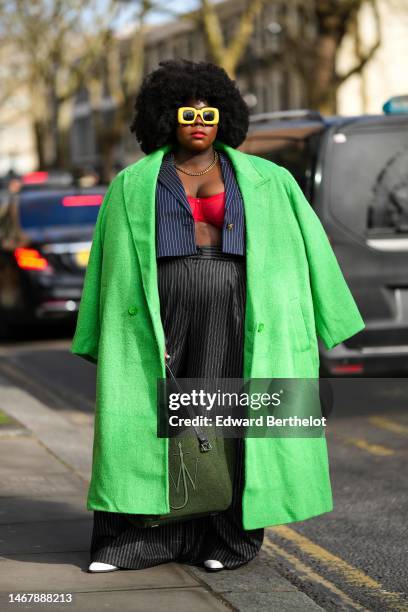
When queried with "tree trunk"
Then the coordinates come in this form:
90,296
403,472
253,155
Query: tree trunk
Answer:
108,158
39,130
320,90
55,160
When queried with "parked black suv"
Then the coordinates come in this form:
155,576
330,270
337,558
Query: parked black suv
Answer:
354,172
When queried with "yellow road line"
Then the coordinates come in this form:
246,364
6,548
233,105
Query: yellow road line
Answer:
305,571
373,449
349,574
388,424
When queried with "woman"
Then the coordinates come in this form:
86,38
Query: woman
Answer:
196,236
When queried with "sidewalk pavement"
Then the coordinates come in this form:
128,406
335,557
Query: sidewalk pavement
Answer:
45,530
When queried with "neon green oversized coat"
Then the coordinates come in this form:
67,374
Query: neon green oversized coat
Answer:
295,291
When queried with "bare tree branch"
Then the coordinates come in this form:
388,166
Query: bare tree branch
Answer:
363,57
58,46
227,56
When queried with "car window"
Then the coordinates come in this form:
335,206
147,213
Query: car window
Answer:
48,209
295,157
367,169
292,146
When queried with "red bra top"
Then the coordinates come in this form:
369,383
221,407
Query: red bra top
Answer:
210,209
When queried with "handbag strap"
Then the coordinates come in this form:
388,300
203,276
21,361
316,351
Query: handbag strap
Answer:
205,444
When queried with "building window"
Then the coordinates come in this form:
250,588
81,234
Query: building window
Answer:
276,95
82,95
83,143
285,90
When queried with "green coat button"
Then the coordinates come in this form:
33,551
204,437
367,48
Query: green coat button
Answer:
132,310
260,327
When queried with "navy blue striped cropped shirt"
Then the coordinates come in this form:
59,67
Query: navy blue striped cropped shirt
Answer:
175,226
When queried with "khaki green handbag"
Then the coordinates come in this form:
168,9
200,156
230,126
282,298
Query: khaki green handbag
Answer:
201,475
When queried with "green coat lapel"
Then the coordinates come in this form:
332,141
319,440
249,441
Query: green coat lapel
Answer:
139,198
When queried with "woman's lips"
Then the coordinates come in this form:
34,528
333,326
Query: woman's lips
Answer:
198,135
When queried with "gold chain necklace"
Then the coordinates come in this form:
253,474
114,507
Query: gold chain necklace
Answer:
215,160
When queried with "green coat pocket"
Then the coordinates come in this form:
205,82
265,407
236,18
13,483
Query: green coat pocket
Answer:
299,324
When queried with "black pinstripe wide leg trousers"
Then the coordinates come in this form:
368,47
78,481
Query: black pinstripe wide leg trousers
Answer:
202,300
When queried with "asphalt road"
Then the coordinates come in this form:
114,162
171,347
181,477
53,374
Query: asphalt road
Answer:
354,558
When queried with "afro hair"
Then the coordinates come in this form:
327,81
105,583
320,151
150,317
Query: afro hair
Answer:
170,86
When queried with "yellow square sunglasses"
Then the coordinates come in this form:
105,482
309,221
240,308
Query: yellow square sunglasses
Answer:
187,115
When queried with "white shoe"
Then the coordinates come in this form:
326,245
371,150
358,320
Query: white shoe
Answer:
213,566
101,567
